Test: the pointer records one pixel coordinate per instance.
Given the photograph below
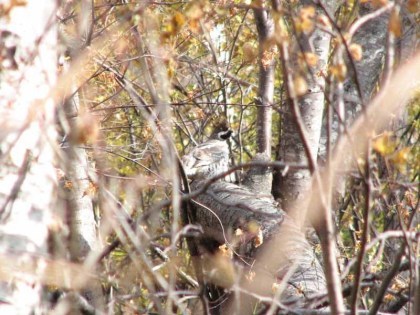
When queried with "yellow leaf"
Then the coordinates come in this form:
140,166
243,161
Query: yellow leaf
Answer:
413,6
68,184
379,3
356,51
309,58
398,285
339,71
300,86
171,68
268,57
400,156
178,20
91,190
274,287
226,251
194,25
384,144
388,298
7,7
253,227
250,275
195,11
307,12
304,22
395,24
174,26
166,242
219,270
239,232
259,239
399,159
280,29
249,52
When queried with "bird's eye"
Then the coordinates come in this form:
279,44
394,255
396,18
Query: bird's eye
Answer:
224,135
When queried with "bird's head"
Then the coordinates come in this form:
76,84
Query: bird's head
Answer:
224,135
221,131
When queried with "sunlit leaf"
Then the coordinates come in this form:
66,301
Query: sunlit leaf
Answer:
395,23
399,159
92,189
280,29
259,239
384,144
8,6
413,6
356,51
219,270
379,3
239,232
250,276
226,251
68,185
308,58
268,57
300,86
339,71
249,52
304,22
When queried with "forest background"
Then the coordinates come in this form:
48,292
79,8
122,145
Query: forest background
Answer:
99,99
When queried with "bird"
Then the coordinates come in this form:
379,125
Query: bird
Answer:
210,158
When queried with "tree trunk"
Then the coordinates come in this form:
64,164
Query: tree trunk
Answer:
27,180
294,186
261,225
79,127
372,37
265,82
77,190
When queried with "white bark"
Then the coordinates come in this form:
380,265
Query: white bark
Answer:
295,185
27,137
84,242
265,29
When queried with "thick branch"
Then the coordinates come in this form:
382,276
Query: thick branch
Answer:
226,207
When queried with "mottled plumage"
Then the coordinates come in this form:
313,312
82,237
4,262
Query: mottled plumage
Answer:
209,158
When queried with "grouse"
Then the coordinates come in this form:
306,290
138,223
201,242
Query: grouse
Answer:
210,158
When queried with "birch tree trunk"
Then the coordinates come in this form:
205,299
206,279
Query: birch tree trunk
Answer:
27,137
77,190
293,187
266,65
260,179
79,127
